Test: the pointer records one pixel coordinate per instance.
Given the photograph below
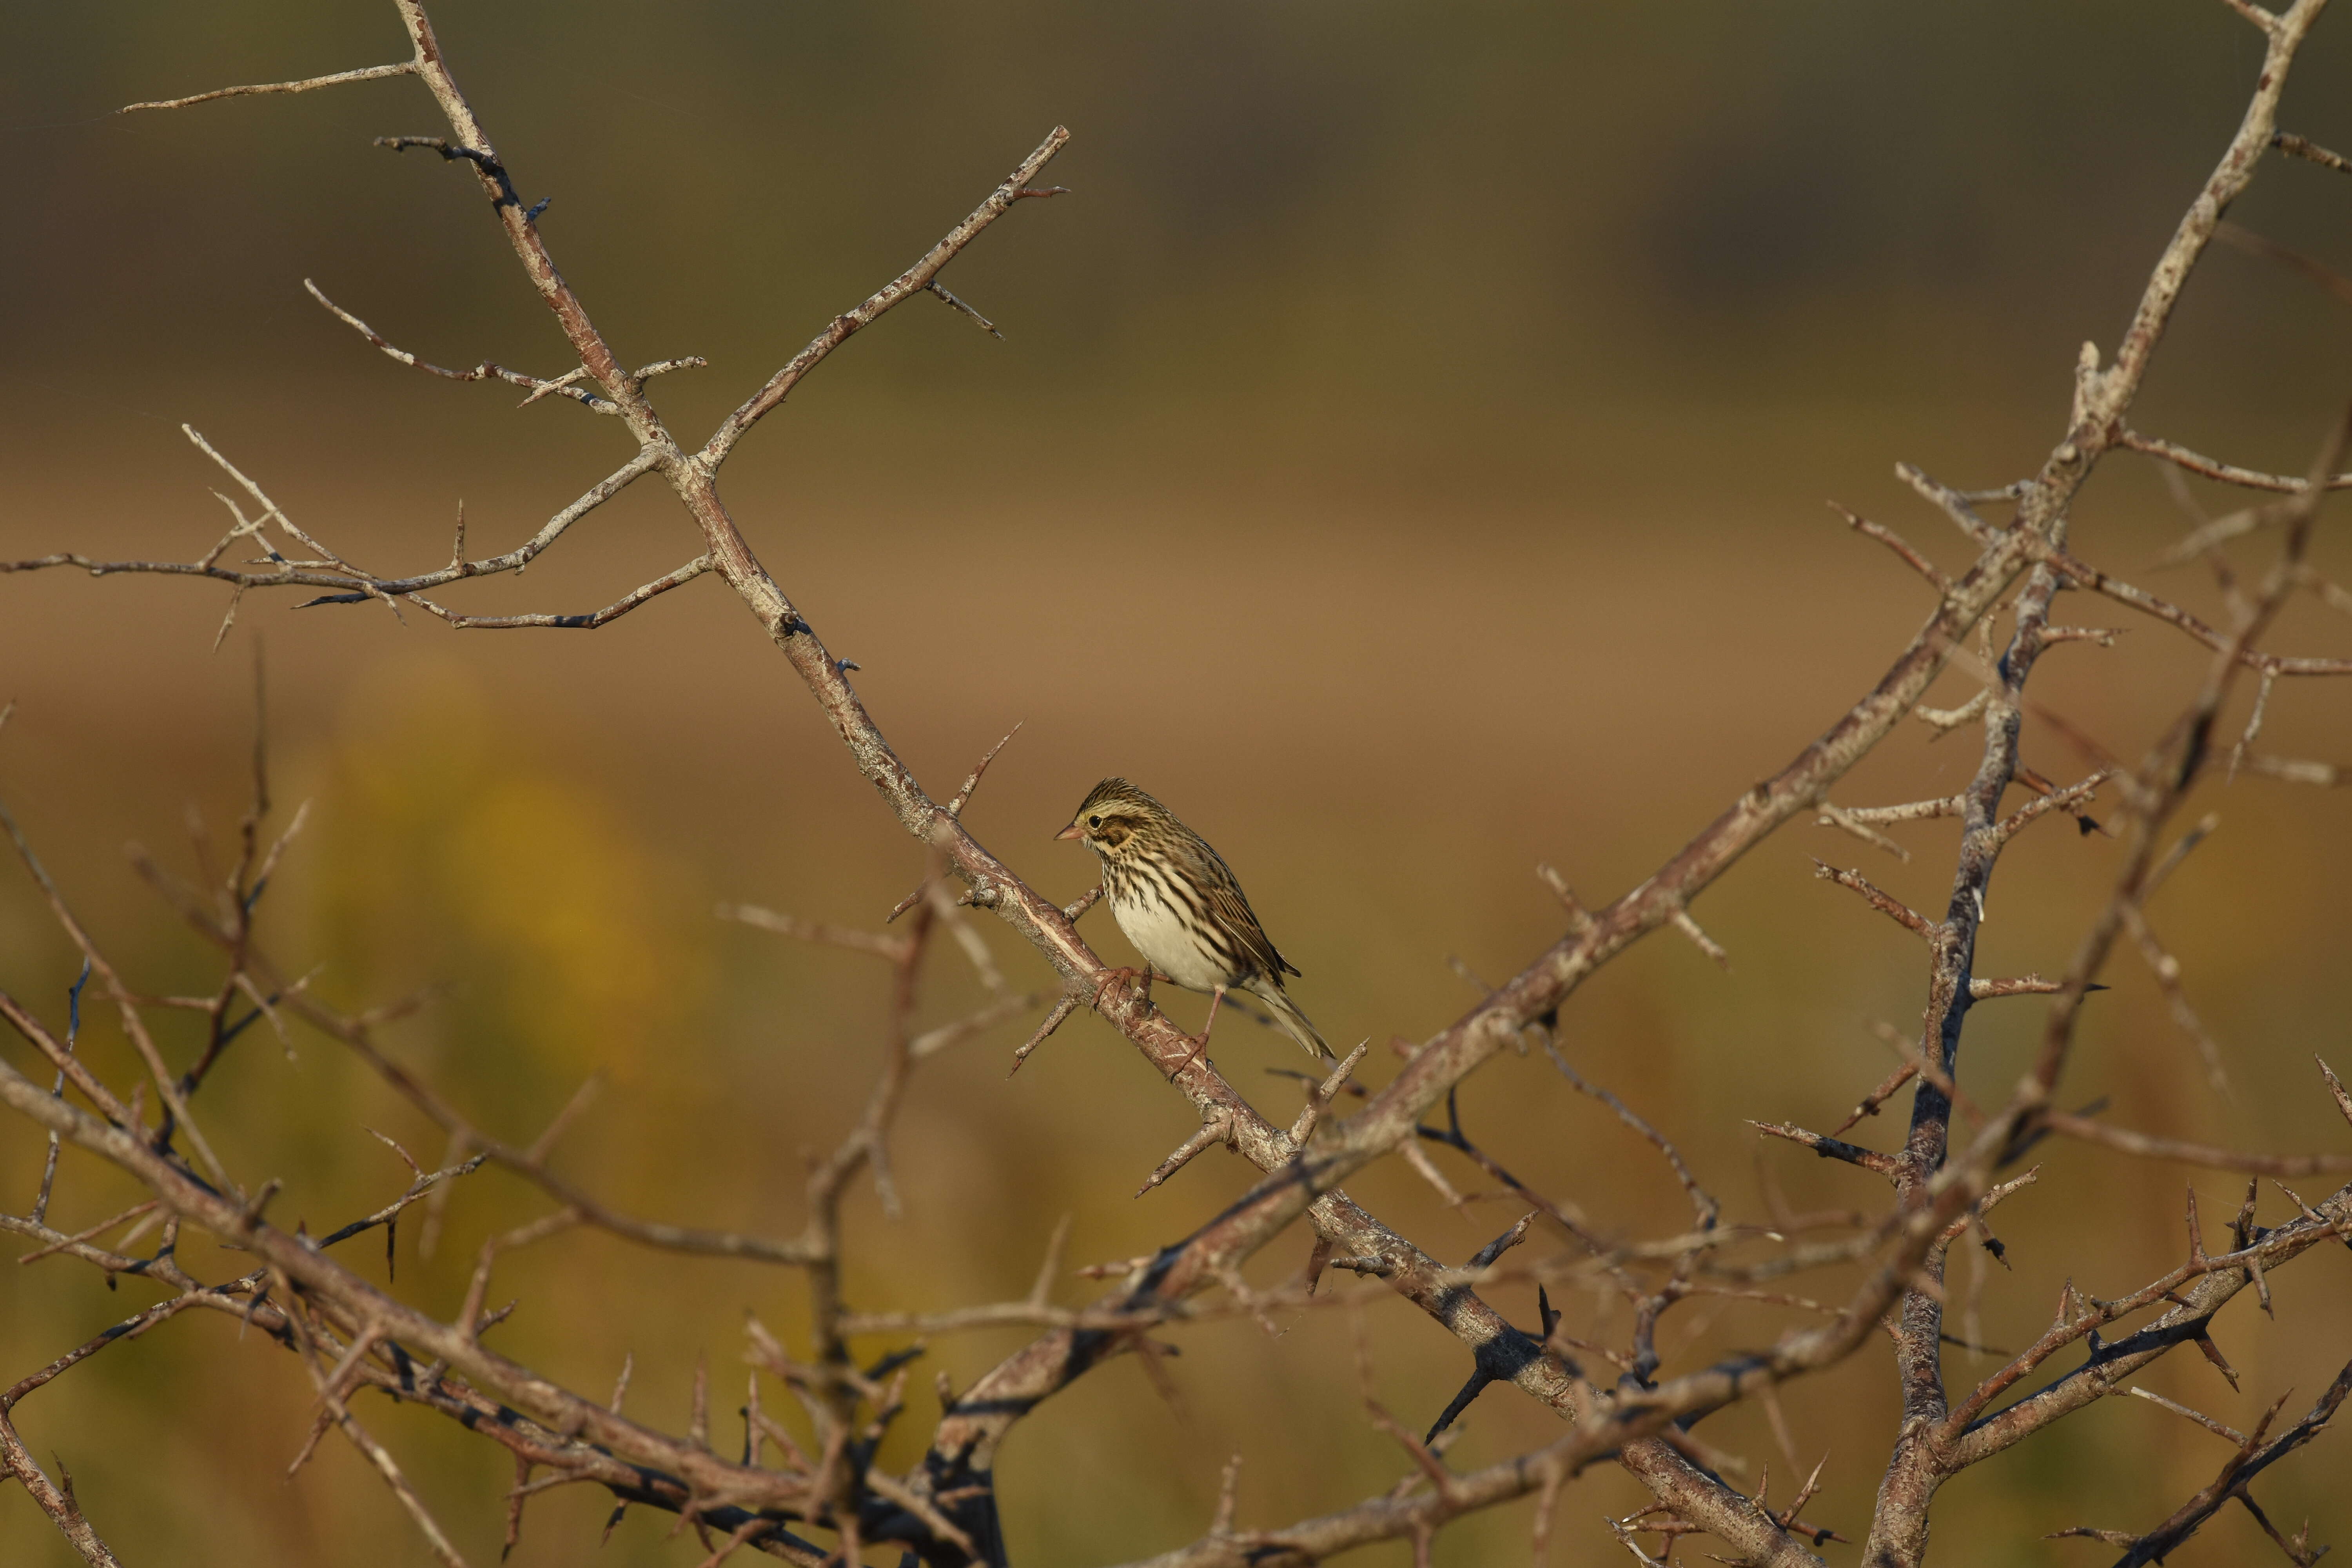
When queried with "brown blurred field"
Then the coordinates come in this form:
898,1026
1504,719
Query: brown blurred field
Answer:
1406,458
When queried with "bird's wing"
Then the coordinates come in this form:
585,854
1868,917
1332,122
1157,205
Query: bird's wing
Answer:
1229,907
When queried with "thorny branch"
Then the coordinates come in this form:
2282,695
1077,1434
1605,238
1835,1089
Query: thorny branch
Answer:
2250,1460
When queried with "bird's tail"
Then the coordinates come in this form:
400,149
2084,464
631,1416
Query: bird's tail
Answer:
1268,990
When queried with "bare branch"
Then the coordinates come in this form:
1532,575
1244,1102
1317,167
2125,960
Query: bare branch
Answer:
56,1501
126,1009
340,575
2326,775
2166,969
1895,541
588,622
2226,473
2148,603
985,324
1921,810
2298,147
1703,1204
2252,1459
963,795
1943,721
1949,501
1062,1007
931,1042
1832,1147
894,948
915,279
1680,921
1837,817
489,370
331,1396
2147,1147
1578,916
2017,986
1887,904
2066,800
1319,1095
1869,1103
1216,1130
365,73
2218,1430
2191,1294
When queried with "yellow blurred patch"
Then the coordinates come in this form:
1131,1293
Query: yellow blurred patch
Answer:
458,854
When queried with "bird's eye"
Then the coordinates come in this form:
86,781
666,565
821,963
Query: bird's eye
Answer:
1094,822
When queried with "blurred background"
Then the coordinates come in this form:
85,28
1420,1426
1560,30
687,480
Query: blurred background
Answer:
1406,457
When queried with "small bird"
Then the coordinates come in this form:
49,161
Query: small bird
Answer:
1180,904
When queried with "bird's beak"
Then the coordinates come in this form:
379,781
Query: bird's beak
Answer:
1072,831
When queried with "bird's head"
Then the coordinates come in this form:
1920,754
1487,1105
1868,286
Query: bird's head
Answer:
1112,816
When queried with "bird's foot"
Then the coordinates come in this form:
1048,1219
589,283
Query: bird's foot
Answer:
1110,980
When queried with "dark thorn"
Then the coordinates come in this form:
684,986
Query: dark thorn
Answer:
73,1005
1318,1259
2192,756
893,1362
1479,1378
2213,1354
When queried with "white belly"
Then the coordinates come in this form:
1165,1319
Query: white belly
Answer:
1167,944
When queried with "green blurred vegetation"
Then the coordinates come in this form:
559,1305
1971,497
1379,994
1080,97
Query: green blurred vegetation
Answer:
1405,458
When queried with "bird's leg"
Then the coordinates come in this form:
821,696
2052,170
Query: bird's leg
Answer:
1201,1041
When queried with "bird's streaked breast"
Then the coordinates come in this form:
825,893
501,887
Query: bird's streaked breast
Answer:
1156,914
